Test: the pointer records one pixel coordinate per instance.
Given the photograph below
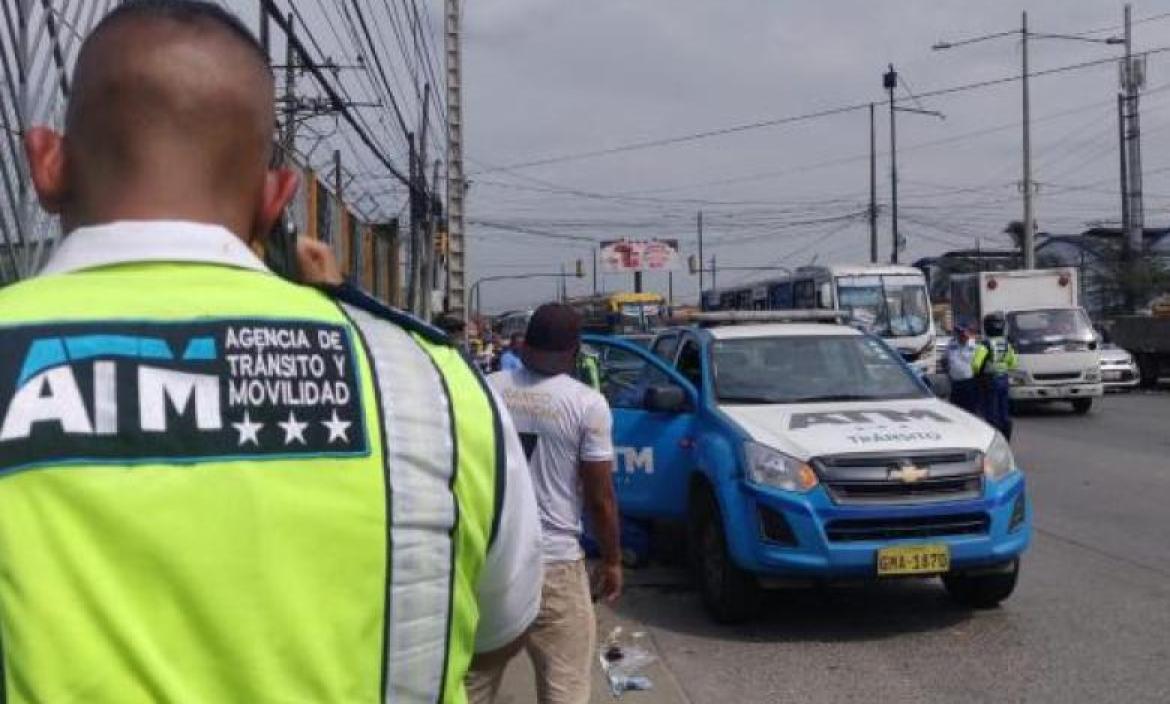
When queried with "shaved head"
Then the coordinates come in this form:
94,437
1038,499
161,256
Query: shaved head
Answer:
171,116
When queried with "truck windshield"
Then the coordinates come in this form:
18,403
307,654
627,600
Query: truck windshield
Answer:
1036,330
809,370
639,318
889,306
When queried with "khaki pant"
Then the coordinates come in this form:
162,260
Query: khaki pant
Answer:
560,642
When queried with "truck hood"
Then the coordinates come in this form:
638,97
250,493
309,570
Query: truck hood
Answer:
811,430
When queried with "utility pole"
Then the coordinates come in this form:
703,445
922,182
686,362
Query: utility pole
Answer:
1028,239
264,31
413,304
700,252
873,232
288,132
456,187
422,212
670,289
336,237
432,225
890,82
594,248
1133,79
1027,186
1125,227
713,271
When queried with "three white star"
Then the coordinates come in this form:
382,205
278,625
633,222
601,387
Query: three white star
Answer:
293,429
338,429
249,431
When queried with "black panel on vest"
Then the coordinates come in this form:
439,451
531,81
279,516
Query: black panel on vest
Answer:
141,392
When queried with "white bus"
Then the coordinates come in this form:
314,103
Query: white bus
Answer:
888,300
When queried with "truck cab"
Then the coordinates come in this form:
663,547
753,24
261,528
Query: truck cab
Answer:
796,450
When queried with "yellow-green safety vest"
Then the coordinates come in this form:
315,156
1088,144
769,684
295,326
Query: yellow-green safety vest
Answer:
997,352
217,486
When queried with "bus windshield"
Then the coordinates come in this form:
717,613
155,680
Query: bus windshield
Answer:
639,317
887,305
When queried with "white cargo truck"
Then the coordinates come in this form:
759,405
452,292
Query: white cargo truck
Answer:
1059,356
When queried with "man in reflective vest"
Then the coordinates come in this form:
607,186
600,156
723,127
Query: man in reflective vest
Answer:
993,362
217,485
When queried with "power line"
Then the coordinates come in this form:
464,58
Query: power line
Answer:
336,99
804,117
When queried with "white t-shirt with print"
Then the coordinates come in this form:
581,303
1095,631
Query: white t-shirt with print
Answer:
561,423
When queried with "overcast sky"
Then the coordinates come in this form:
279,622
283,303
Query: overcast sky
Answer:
545,79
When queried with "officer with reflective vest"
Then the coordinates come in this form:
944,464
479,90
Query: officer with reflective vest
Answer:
217,485
993,361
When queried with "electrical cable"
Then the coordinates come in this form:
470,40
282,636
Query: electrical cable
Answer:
803,117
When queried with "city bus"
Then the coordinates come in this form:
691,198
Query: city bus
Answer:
888,300
621,313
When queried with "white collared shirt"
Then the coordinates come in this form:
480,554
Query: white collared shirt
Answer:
961,359
133,241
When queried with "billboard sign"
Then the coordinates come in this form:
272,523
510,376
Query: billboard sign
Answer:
624,256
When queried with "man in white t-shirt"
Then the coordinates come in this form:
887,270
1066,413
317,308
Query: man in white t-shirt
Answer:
565,428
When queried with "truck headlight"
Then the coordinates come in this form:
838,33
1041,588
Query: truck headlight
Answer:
998,460
1018,377
1093,374
768,467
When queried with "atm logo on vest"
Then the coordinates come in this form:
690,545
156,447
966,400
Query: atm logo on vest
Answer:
140,392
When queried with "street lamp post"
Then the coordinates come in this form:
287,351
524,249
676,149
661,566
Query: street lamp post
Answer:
474,297
890,83
1027,187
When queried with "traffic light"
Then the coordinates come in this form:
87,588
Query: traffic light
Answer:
693,264
580,270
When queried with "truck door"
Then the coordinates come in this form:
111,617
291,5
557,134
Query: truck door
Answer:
653,413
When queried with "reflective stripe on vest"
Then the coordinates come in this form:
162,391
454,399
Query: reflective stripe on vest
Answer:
420,464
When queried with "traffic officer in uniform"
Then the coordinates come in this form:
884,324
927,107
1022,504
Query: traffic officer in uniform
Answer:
217,485
993,361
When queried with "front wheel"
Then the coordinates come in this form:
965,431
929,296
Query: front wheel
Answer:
1081,406
982,591
730,594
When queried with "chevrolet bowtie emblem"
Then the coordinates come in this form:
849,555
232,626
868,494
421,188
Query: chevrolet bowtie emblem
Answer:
908,474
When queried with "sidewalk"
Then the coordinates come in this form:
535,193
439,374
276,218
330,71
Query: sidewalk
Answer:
518,686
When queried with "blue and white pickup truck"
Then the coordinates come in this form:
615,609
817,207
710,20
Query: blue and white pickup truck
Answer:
805,452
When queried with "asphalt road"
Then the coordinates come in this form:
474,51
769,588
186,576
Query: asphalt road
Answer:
1089,622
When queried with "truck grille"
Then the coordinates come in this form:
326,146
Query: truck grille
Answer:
1058,376
905,478
844,530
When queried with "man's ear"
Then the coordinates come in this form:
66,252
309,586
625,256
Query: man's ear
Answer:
280,186
45,149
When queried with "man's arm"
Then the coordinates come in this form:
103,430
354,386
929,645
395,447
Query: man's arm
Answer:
601,506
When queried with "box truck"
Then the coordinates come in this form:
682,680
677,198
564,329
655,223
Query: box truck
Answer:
1057,346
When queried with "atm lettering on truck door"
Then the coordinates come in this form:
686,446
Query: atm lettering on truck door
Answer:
631,460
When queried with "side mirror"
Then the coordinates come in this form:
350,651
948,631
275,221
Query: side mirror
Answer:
940,384
665,399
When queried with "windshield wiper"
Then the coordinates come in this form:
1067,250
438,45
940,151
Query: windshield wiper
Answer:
747,399
836,397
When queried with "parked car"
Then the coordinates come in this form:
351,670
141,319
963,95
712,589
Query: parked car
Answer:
794,450
1119,371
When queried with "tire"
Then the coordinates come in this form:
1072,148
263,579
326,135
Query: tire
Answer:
730,594
982,591
1081,406
1147,370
